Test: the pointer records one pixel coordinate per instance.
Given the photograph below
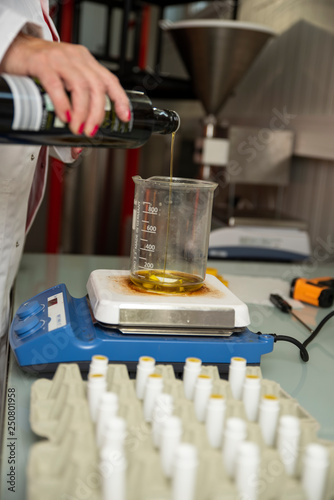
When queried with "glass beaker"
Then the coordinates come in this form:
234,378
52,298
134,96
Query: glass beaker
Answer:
170,233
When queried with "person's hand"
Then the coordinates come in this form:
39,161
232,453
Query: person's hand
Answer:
62,67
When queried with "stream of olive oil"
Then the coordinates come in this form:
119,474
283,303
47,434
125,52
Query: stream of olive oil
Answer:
169,197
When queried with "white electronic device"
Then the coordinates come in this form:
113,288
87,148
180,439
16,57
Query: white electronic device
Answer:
256,242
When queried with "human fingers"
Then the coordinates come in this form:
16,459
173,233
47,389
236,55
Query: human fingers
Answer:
87,83
99,83
117,94
76,152
92,88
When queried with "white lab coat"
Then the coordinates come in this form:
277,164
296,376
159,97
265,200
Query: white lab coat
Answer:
18,163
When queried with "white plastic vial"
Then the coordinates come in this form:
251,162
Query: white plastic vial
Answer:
96,386
236,376
315,471
288,442
170,439
247,470
191,370
153,388
203,389
113,474
107,409
214,421
99,364
163,409
235,433
145,367
268,418
184,472
251,396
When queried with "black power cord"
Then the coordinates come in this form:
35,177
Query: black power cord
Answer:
302,345
285,307
303,351
317,329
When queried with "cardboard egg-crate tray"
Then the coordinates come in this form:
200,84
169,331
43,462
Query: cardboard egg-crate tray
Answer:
64,464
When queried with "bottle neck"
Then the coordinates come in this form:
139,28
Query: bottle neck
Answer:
165,121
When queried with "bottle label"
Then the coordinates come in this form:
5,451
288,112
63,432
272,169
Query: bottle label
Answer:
34,110
111,121
28,105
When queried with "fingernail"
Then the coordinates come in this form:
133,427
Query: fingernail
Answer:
68,116
80,151
81,128
93,132
129,115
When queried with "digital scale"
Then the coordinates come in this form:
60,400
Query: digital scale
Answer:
122,322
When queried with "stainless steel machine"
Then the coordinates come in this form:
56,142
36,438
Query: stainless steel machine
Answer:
217,55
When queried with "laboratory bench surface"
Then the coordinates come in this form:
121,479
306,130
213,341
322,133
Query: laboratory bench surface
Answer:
311,384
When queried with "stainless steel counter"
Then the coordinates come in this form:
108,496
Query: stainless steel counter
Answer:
310,383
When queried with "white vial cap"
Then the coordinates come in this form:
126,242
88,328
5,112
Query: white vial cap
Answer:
204,380
238,362
146,361
216,401
100,359
96,378
252,380
269,401
193,363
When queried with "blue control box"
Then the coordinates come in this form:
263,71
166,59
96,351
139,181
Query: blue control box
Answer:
53,327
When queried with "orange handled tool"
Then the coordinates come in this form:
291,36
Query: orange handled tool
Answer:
317,291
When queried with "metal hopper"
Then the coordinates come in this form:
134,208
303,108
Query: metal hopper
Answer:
217,53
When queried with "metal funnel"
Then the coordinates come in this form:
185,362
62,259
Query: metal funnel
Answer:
217,54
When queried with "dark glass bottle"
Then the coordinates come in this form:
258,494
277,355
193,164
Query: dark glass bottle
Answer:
27,117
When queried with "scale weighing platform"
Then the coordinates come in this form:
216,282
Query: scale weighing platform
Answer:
122,322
